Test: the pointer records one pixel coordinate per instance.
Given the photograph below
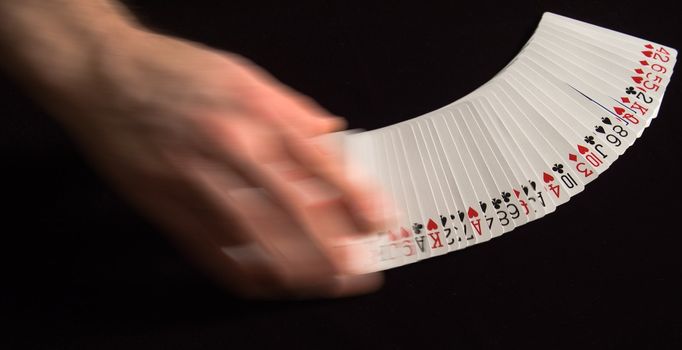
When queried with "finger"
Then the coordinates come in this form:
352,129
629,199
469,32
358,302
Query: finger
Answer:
362,202
298,106
275,260
285,111
297,259
307,214
248,269
315,111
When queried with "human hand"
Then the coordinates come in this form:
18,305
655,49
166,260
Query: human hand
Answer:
220,154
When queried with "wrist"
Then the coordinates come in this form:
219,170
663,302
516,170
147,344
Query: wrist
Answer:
50,45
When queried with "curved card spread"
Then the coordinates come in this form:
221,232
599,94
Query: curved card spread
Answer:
566,107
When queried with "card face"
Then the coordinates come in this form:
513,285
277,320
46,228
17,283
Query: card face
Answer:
572,101
539,161
464,232
568,146
619,136
567,114
520,173
611,60
592,87
471,212
475,168
446,208
432,230
492,176
630,77
507,206
633,44
404,232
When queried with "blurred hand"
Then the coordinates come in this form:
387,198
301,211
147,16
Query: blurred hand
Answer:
222,156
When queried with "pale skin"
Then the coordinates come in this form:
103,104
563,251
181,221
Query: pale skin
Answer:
203,142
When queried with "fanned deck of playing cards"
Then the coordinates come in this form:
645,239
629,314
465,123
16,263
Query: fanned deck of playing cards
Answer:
572,101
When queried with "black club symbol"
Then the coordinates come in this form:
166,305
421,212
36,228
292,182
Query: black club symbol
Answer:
589,139
417,228
505,196
497,202
559,168
630,90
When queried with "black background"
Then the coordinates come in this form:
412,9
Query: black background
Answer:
80,269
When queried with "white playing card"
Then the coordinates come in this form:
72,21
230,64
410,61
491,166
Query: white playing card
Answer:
566,144
491,175
403,233
454,200
543,159
446,208
471,210
598,90
620,137
483,186
504,173
568,113
424,191
531,198
619,76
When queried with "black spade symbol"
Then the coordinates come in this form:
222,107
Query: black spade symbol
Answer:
525,189
599,129
483,206
443,220
532,184
606,120
461,216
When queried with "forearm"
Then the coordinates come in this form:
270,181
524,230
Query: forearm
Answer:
50,42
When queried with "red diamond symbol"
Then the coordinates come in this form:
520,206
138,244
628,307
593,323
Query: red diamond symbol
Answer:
644,63
572,157
647,53
639,71
637,79
649,46
625,99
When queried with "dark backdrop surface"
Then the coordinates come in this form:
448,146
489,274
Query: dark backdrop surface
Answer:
80,269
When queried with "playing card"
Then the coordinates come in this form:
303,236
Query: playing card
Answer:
424,190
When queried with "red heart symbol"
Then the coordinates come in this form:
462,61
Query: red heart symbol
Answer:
517,193
582,149
547,177
392,236
404,233
472,212
431,225
649,46
619,110
647,53
637,79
